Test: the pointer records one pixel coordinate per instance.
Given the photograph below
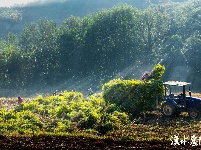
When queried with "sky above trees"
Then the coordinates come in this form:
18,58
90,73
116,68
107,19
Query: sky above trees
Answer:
10,3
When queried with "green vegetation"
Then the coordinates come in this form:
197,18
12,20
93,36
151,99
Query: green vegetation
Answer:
68,113
135,96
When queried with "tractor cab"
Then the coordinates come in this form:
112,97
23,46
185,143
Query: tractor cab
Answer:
176,100
175,92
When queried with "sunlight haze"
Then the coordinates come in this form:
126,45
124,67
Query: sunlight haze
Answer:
10,3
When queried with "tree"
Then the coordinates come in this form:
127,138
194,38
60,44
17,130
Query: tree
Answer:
40,41
154,26
110,41
10,62
70,43
192,54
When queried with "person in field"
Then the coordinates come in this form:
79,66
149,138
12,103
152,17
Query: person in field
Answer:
148,76
145,76
57,93
20,100
90,92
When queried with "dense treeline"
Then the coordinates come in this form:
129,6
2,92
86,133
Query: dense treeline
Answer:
103,44
12,19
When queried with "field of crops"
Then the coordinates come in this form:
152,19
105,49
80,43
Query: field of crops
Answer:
38,123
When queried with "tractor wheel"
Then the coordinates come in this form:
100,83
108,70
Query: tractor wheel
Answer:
168,109
193,113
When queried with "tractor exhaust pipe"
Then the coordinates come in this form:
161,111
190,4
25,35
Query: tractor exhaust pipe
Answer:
189,91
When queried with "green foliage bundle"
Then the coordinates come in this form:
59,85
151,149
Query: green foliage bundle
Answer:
69,112
135,96
158,72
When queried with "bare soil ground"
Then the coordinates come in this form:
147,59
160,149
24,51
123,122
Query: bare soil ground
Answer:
59,142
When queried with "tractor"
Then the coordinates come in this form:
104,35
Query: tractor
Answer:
174,104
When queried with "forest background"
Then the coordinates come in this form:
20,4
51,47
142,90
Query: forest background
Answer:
59,47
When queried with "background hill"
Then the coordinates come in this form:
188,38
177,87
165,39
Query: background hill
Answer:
13,19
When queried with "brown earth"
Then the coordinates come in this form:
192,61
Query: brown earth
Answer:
61,142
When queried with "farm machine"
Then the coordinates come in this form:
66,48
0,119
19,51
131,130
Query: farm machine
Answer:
174,104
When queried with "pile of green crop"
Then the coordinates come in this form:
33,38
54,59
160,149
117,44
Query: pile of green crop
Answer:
135,96
69,112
